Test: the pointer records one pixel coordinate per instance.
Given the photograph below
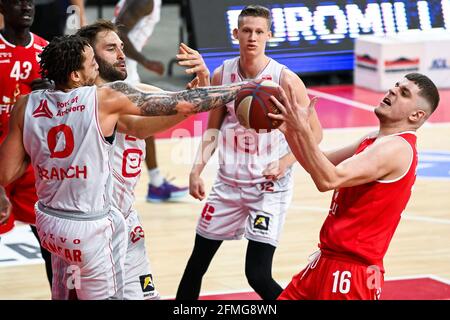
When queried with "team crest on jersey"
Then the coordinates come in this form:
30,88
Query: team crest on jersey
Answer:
147,283
261,222
42,110
233,77
266,77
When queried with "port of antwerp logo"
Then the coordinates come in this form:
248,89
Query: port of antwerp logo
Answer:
42,110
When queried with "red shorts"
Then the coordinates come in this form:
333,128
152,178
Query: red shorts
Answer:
328,278
22,194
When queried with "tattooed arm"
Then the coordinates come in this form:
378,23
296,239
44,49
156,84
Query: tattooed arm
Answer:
126,99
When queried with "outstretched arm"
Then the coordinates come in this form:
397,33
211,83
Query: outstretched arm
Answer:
144,127
124,98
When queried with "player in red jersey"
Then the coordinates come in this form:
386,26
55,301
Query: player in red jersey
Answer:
372,181
19,72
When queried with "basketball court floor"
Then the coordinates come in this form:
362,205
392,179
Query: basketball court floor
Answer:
417,263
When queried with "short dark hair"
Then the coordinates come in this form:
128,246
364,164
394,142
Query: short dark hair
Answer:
90,31
62,56
428,89
256,11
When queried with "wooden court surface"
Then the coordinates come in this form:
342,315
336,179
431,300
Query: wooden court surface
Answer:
420,244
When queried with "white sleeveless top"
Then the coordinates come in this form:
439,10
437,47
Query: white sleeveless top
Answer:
129,153
144,27
69,155
243,153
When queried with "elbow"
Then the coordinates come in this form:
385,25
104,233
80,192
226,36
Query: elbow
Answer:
4,180
142,135
324,186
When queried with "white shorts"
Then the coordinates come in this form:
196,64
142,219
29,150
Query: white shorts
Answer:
88,255
139,283
258,211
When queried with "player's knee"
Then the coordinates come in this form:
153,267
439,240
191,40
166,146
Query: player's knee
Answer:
257,277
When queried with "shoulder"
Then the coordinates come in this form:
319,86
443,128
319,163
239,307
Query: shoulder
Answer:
217,75
19,107
290,78
392,146
106,92
39,40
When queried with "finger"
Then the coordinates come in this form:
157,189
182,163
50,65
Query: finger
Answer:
276,116
187,56
313,102
181,49
202,191
283,107
283,97
185,47
194,70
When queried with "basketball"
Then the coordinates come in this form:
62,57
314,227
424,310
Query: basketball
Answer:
253,103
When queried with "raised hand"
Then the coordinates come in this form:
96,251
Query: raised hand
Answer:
193,61
293,114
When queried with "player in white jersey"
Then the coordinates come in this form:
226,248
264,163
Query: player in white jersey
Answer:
67,134
254,185
136,20
129,151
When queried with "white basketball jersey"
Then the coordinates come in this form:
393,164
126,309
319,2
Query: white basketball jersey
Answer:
243,153
139,35
129,152
69,154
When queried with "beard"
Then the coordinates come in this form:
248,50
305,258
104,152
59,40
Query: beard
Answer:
379,114
108,72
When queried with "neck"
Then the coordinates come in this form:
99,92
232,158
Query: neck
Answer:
100,81
386,130
250,67
68,87
17,37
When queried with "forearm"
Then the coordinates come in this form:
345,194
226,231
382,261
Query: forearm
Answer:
306,150
206,150
82,11
13,172
144,127
288,159
128,47
185,102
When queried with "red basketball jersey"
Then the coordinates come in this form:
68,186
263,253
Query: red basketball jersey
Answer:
19,66
362,219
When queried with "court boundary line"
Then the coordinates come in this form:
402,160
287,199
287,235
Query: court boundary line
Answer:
335,98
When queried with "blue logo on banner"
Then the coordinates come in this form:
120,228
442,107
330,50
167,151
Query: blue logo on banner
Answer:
434,164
